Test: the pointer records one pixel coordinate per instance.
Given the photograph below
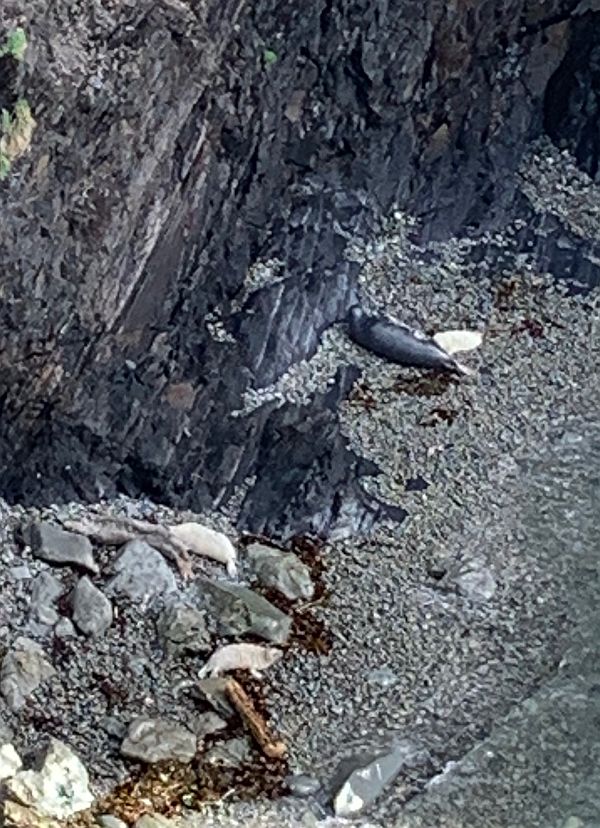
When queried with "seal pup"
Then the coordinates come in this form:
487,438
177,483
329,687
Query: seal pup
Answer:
399,343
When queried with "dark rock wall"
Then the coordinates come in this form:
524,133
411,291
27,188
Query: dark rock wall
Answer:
177,143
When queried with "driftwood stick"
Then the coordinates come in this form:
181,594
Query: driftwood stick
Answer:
271,747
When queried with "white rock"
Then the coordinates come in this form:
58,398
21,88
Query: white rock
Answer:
60,788
10,761
454,342
253,657
206,542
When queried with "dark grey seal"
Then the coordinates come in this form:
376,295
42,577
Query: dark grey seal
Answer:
398,343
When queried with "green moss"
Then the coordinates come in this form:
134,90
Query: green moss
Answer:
16,131
269,57
15,44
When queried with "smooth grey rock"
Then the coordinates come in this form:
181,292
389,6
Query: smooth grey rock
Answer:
59,788
56,545
181,628
212,690
153,821
204,724
362,778
10,761
45,590
20,573
476,584
301,784
64,629
239,611
383,677
142,573
283,571
23,669
92,611
153,740
110,821
231,753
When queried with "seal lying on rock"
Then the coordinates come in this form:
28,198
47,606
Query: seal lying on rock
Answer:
399,343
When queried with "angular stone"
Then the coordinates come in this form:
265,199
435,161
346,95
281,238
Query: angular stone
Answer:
231,753
64,629
183,629
92,611
10,761
142,573
110,821
153,740
45,590
23,669
212,690
362,778
283,571
18,816
240,611
58,789
153,821
55,545
205,724
301,784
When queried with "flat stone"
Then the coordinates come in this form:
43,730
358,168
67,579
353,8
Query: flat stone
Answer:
23,669
153,740
476,584
10,761
58,789
240,611
231,754
110,821
301,784
20,573
183,629
280,570
56,545
142,574
153,821
64,629
92,611
212,690
45,590
18,816
205,724
362,778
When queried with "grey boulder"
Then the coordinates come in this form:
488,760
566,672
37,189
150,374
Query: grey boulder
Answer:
240,611
283,571
154,740
142,574
53,544
92,611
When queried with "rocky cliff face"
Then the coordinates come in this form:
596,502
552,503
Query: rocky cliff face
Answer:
177,233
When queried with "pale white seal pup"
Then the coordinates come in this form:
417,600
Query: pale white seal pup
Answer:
399,343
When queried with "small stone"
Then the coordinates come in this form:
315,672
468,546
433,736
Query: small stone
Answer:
282,571
64,629
183,629
23,669
231,754
58,789
55,545
45,590
18,816
110,821
302,785
382,676
92,611
153,821
20,573
142,573
362,778
10,761
154,740
477,585
212,690
205,724
113,727
240,611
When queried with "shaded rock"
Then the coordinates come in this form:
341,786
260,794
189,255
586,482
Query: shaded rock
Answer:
301,784
58,789
212,691
283,571
55,545
362,778
383,677
23,669
45,590
64,629
19,816
153,740
476,584
231,753
207,723
182,628
92,611
110,821
10,761
240,611
142,573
